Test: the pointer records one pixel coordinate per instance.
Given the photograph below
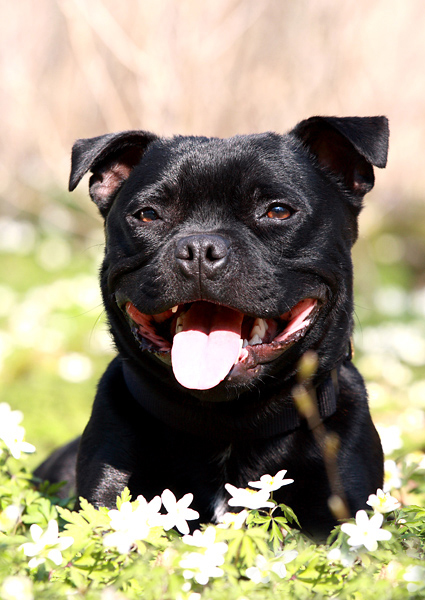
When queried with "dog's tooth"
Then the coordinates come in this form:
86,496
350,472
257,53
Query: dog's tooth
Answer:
240,350
259,328
255,340
174,309
179,323
245,344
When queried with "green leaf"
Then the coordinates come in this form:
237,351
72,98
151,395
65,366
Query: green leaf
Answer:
289,514
125,497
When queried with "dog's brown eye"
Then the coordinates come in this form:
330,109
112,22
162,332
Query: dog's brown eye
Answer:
147,215
279,211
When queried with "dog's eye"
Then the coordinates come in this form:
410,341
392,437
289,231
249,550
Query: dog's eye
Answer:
279,211
146,215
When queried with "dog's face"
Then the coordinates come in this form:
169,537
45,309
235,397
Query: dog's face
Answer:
227,259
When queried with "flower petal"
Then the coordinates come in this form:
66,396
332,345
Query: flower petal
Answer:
376,521
30,549
185,501
55,556
168,500
36,532
362,519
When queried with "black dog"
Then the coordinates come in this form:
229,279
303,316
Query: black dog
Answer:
226,260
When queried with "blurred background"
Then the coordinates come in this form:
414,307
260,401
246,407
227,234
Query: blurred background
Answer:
80,68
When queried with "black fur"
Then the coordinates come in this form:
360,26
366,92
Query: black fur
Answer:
212,237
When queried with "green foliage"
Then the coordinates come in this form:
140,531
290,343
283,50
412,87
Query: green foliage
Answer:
260,559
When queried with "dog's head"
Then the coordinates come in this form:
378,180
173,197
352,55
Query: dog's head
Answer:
226,259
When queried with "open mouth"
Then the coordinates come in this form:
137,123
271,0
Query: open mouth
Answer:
206,340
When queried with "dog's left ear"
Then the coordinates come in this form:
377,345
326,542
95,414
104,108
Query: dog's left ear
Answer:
348,147
110,158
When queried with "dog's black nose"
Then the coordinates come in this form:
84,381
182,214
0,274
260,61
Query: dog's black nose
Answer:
202,255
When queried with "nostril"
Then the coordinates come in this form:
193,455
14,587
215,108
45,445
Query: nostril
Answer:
185,250
214,252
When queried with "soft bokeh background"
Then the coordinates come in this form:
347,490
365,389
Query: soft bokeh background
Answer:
80,68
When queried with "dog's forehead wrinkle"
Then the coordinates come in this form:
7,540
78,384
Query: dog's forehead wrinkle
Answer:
220,173
239,157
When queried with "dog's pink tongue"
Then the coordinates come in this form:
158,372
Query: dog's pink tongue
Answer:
208,345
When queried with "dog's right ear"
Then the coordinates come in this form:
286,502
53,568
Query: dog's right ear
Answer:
110,158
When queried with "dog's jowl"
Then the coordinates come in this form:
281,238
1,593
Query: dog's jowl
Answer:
226,260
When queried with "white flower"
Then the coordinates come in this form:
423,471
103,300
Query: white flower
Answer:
10,516
345,557
383,503
206,540
132,522
248,498
233,520
261,572
16,588
203,565
200,567
282,559
415,459
178,511
415,575
9,419
186,587
269,483
366,532
46,544
201,539
392,476
263,567
11,432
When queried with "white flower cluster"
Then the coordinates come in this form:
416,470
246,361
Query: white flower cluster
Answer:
367,532
206,561
11,432
133,520
415,575
263,569
253,500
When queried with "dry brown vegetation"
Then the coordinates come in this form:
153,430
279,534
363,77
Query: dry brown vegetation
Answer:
76,68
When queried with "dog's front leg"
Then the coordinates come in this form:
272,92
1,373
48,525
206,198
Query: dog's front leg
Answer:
100,483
